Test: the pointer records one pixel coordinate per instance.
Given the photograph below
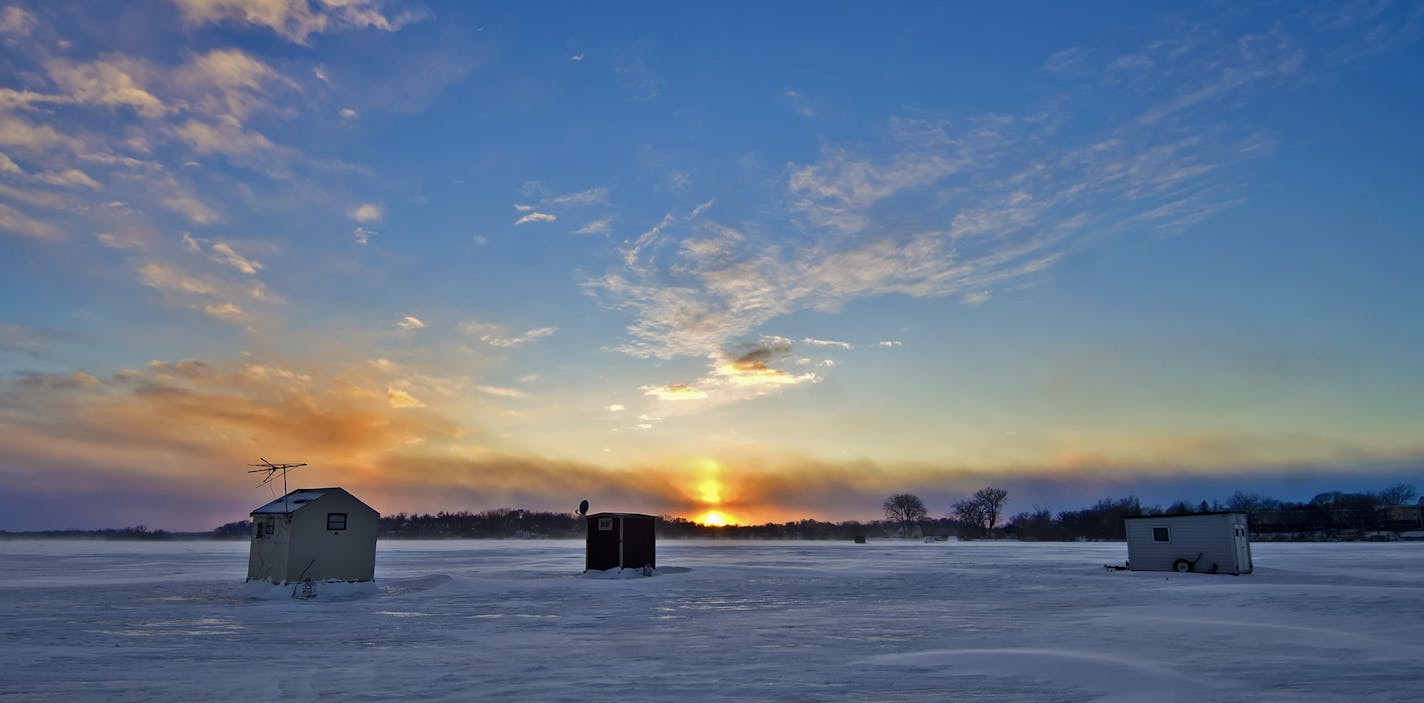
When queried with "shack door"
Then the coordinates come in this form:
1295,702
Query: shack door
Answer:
604,544
1241,540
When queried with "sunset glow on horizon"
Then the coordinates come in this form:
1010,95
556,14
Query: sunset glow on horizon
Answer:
713,518
703,261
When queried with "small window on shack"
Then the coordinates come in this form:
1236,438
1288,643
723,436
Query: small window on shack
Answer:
270,527
257,530
605,524
1161,534
335,521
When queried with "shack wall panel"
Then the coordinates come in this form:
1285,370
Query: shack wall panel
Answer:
1206,539
325,555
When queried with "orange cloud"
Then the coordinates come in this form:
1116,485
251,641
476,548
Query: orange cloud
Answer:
676,391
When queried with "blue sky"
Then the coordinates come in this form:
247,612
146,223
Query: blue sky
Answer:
773,261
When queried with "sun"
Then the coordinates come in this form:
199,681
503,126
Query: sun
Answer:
713,518
711,493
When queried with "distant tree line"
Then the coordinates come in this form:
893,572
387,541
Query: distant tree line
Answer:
1327,516
135,532
1331,515
500,523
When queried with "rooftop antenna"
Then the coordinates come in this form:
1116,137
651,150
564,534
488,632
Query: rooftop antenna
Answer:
267,467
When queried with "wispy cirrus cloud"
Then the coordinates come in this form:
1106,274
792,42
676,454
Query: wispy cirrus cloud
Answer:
602,226
298,20
117,241
225,311
23,136
501,392
69,177
208,97
496,336
185,111
638,78
25,339
230,82
16,21
675,391
211,295
962,206
549,207
800,103
828,343
108,83
366,212
168,278
15,222
222,253
592,196
190,206
400,398
1067,60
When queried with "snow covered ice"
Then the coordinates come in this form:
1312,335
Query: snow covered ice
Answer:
719,621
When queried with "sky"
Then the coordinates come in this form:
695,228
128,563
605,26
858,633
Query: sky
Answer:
769,261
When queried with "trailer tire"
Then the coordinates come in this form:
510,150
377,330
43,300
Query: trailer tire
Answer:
1181,566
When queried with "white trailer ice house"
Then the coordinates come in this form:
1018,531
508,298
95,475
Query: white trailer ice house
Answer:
1217,543
313,534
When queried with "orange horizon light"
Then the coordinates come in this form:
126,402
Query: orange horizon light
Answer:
713,518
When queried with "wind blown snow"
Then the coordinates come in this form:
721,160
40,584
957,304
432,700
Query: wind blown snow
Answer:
721,621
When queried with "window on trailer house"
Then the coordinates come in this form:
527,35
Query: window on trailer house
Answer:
336,521
605,523
1161,534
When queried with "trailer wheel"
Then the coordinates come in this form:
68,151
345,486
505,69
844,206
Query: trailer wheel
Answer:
1181,566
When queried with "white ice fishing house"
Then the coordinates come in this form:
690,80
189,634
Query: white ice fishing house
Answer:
316,534
1216,543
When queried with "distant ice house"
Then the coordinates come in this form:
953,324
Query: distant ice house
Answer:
313,534
1217,543
621,541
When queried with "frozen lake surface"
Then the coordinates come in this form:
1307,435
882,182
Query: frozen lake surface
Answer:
722,621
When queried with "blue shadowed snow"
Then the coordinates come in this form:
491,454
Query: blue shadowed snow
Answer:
721,621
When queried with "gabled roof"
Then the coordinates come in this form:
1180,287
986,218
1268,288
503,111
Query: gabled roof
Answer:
294,501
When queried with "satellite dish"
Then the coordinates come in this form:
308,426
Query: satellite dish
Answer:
583,508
